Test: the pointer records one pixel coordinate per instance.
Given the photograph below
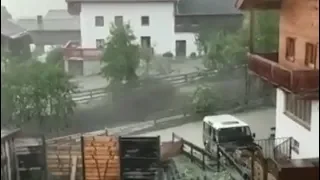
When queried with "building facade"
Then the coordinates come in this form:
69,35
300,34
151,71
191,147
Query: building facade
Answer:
294,71
163,25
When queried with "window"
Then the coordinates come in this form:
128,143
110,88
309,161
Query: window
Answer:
311,55
100,43
145,41
118,20
99,21
234,134
295,145
298,109
145,20
290,49
194,22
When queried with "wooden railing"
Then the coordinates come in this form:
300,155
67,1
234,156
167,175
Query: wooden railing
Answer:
296,81
195,153
176,80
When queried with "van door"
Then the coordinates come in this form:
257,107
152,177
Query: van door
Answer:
213,140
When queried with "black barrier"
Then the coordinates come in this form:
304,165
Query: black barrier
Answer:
139,158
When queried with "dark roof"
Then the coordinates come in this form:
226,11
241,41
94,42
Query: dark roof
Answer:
51,24
58,14
7,133
206,7
11,30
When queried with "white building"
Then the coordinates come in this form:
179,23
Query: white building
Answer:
298,119
165,25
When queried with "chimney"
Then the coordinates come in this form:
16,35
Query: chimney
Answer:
40,22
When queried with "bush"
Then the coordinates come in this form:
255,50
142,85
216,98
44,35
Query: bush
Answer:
168,54
193,55
210,100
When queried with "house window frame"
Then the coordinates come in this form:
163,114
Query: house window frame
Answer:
100,43
299,110
99,21
311,53
118,20
290,49
145,21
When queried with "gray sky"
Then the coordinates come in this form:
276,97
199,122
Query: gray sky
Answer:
32,8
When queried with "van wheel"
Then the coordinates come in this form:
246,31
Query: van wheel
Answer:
246,177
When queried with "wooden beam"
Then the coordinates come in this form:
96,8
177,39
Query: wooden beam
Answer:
73,168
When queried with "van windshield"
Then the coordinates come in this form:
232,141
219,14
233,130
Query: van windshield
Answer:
234,134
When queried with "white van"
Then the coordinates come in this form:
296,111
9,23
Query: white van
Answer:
225,130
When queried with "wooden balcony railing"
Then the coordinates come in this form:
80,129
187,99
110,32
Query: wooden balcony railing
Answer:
73,50
293,80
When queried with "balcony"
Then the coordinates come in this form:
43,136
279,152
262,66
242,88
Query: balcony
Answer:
258,4
303,82
73,50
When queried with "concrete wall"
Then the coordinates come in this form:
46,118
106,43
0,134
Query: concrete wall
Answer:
91,67
160,29
286,127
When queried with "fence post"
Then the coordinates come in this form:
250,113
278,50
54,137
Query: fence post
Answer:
172,137
290,147
203,161
185,78
191,152
90,94
218,158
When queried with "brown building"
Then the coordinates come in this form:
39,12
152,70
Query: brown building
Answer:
294,71
295,67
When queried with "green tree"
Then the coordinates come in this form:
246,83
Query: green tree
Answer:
55,57
224,50
266,31
121,56
36,93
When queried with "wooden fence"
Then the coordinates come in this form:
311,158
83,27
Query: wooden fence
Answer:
176,80
196,154
100,158
64,158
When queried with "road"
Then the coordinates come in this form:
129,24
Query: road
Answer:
260,122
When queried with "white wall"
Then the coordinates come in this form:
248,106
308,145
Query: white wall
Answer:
190,39
285,127
91,67
160,29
